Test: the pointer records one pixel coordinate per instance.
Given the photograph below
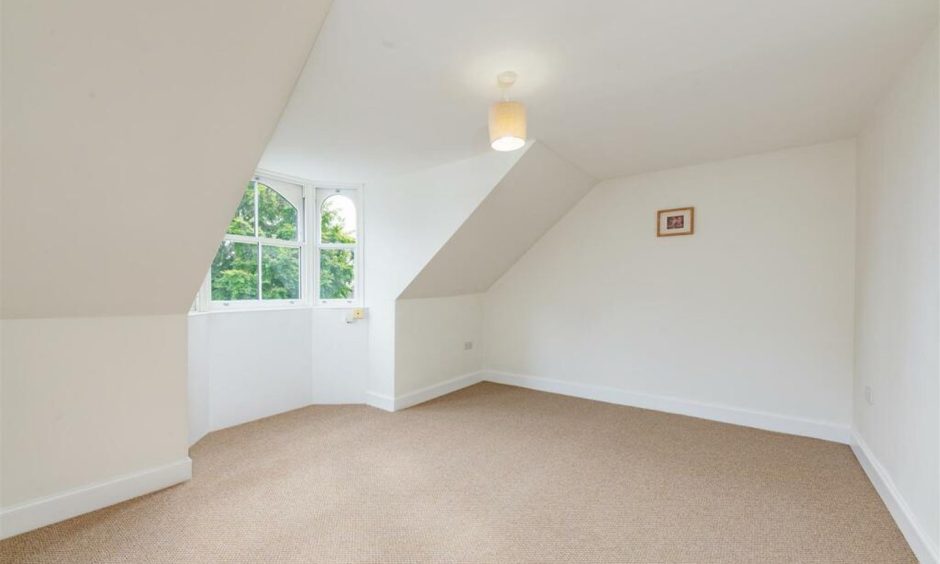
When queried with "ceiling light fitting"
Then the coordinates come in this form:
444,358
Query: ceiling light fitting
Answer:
507,118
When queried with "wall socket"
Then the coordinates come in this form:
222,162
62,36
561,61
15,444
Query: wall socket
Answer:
468,345
868,395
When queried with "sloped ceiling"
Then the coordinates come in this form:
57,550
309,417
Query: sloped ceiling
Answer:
617,87
129,130
539,189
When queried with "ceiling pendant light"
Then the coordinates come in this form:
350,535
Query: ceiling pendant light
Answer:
507,119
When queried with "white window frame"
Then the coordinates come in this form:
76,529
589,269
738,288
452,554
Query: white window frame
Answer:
309,243
204,301
353,192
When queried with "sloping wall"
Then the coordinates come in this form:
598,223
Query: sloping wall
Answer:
896,328
408,219
751,315
128,134
439,315
539,189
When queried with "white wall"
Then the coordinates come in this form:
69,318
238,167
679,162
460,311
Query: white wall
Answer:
430,337
340,357
199,376
116,117
70,419
896,328
261,363
408,219
539,189
245,365
125,132
753,312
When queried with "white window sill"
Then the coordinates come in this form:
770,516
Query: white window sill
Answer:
236,309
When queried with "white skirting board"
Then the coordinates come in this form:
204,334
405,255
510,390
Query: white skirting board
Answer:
738,416
380,401
404,401
37,513
727,414
437,390
884,485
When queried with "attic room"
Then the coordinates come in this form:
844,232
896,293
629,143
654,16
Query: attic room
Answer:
416,281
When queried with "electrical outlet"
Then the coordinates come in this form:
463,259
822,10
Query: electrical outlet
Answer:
468,345
868,395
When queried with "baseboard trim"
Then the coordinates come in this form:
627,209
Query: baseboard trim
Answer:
884,485
380,401
44,511
437,390
727,414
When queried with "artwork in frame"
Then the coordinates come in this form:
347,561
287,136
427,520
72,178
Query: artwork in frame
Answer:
676,221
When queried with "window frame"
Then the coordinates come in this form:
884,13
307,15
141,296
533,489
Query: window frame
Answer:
322,191
309,244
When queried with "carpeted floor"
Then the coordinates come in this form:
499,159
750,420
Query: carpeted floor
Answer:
492,474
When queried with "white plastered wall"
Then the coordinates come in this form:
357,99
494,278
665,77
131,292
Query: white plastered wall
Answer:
124,133
896,329
752,313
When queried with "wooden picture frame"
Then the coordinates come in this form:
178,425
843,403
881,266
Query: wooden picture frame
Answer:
675,221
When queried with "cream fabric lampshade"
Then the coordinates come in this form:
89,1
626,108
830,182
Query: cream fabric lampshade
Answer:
507,126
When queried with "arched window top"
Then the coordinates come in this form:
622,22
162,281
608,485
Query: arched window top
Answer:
338,220
290,243
277,216
260,258
268,210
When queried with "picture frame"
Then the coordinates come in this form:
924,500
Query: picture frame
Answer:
675,221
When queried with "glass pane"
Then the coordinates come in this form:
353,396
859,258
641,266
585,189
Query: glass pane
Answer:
235,272
337,274
277,217
244,221
338,220
280,273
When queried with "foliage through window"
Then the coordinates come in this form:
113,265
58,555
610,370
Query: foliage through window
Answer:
260,257
264,259
337,245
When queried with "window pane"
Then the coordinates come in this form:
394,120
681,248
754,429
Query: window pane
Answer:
277,217
244,221
338,220
235,272
280,273
337,274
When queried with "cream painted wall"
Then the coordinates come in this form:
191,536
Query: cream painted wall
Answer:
430,335
409,219
754,311
539,189
123,122
125,131
896,330
70,419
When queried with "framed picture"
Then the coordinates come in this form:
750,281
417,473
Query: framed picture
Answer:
677,221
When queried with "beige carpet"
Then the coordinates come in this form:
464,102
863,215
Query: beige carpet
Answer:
492,474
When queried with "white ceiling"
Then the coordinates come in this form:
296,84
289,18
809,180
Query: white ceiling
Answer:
616,86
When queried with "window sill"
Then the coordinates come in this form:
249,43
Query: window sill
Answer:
236,309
